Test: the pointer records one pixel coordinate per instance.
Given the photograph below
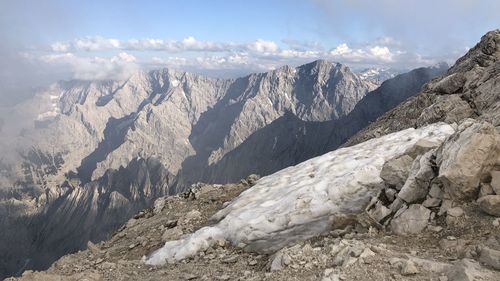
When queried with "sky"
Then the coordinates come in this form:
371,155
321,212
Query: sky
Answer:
45,41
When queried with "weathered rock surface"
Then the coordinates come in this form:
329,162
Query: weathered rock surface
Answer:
412,220
495,181
490,257
417,184
490,204
395,171
466,157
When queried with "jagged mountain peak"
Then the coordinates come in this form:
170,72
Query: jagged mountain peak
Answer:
483,54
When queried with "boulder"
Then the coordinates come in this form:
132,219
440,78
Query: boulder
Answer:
416,186
390,194
379,212
490,257
435,191
431,202
450,84
411,221
485,189
395,171
495,181
466,156
449,108
455,212
466,270
490,204
421,147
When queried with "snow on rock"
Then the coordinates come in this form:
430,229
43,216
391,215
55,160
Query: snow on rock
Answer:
301,201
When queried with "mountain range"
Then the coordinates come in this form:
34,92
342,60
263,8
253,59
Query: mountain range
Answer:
94,153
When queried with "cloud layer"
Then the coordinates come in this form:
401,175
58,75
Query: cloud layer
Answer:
109,58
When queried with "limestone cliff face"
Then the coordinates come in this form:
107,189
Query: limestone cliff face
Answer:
289,139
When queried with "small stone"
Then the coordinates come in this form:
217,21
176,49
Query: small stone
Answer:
496,222
445,205
395,261
93,248
131,246
224,277
171,224
395,171
367,253
210,256
252,263
411,221
490,257
189,276
455,212
409,268
431,202
495,181
193,215
397,204
390,194
277,262
490,204
436,192
435,228
379,212
486,189
221,242
231,259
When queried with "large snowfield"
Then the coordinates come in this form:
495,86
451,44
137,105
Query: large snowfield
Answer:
301,201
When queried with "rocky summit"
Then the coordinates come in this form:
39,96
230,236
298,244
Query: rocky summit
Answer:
413,196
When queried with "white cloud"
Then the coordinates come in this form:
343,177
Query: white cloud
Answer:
116,67
226,58
367,54
97,43
341,50
263,46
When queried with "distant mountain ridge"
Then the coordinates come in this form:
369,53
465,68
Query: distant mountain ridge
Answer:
102,150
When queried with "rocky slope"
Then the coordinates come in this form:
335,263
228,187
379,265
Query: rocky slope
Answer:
265,237
427,208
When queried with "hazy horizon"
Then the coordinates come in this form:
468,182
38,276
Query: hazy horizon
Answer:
64,40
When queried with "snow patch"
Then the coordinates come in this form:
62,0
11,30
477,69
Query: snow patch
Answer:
301,201
175,83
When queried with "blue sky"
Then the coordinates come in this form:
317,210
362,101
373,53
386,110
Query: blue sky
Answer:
43,41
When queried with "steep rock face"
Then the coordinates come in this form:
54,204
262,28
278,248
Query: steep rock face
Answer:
289,139
470,88
79,214
318,91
